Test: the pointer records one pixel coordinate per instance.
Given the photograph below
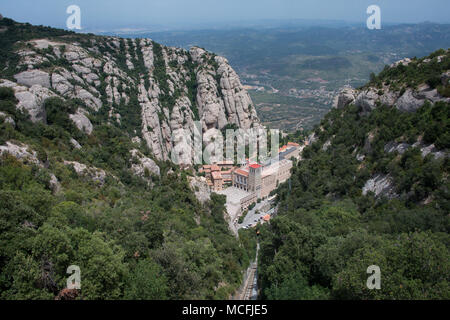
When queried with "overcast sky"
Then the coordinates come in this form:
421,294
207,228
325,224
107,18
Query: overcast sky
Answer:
123,13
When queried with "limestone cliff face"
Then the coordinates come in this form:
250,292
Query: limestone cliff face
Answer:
220,95
165,88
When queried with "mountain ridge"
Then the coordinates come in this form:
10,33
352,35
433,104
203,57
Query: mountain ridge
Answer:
155,90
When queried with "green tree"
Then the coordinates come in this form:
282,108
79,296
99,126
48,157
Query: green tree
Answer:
295,287
146,282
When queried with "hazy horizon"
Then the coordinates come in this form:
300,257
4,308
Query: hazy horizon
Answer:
107,15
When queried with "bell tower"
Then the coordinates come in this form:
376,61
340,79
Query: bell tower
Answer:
254,179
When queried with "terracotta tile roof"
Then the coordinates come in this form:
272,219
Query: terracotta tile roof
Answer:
241,172
293,144
255,166
215,167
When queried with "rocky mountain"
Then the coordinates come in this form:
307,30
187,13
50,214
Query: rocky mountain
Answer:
150,90
86,124
406,85
397,86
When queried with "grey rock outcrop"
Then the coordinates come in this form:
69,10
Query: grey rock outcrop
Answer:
32,77
367,100
201,189
326,145
425,150
143,166
25,154
7,119
408,100
368,142
55,185
381,186
430,149
75,143
30,99
312,138
346,97
81,121
21,152
398,147
405,62
93,173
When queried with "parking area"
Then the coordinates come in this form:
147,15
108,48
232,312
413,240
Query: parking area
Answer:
256,214
233,205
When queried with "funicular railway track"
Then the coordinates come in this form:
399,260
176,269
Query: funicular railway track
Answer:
251,284
249,287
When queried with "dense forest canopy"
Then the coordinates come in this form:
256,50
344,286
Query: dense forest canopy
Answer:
328,231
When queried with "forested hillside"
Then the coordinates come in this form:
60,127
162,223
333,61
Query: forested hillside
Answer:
85,134
132,238
80,185
372,189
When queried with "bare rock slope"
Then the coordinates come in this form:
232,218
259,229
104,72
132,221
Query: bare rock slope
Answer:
165,88
403,95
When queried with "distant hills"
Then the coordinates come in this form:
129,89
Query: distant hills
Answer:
288,57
